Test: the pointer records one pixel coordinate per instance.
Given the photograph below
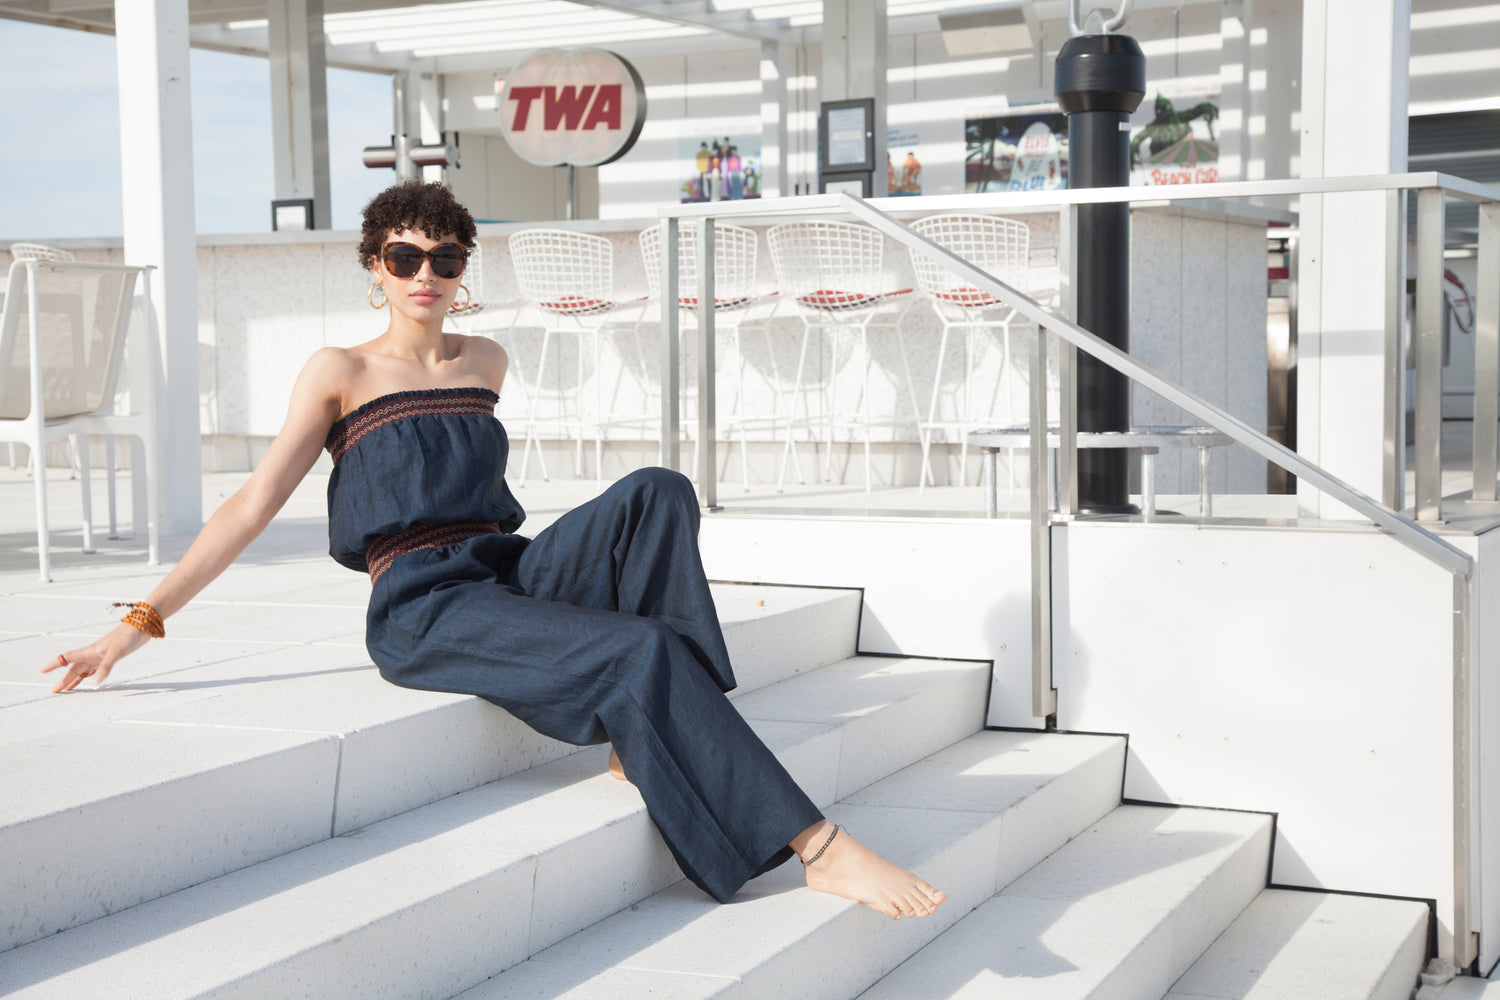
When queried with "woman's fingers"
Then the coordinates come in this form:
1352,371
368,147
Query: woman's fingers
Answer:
106,664
77,664
56,663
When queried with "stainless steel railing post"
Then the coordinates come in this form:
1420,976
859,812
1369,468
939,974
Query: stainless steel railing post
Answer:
671,367
708,479
1427,348
1067,368
1043,694
1465,792
1394,465
1487,353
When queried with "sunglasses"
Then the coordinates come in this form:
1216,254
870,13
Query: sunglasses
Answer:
404,260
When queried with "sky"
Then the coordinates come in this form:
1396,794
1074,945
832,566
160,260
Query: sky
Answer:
60,175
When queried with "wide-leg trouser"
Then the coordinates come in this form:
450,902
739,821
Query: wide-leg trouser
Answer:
603,628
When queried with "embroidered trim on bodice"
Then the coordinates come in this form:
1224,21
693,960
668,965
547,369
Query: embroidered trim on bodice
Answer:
350,429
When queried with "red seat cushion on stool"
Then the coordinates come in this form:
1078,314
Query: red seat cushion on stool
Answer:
967,297
575,304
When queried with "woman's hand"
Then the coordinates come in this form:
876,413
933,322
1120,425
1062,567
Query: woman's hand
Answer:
96,659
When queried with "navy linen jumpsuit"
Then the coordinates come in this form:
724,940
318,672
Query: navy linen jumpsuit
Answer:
600,628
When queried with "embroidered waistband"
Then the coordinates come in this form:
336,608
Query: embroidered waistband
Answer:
384,550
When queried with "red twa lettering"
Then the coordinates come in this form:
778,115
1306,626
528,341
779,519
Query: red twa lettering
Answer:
565,105
606,109
523,96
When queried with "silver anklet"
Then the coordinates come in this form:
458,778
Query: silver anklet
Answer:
815,857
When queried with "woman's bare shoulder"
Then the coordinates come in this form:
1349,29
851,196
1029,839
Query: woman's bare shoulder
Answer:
327,377
488,359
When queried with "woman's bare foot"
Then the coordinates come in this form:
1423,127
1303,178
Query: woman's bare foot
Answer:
616,769
849,869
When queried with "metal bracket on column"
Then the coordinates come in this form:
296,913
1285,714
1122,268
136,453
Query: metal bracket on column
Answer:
1097,23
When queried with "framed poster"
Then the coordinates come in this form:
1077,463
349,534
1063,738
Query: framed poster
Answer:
846,136
1021,150
1172,138
720,163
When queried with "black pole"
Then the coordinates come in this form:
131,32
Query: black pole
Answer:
1100,80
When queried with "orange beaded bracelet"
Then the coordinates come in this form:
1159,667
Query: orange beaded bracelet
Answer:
144,617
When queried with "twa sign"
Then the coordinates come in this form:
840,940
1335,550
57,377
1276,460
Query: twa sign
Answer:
572,106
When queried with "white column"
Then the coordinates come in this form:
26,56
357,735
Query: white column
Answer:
775,64
299,104
854,64
1234,89
156,172
406,120
1354,111
430,119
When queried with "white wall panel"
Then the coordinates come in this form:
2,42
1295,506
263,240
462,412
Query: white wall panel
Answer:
931,587
1306,673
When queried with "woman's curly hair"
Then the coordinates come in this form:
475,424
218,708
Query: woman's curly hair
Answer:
429,209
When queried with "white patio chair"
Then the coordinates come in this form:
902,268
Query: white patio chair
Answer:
735,295
61,377
568,277
832,271
999,247
40,251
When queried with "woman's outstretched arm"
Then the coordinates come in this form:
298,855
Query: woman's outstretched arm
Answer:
316,401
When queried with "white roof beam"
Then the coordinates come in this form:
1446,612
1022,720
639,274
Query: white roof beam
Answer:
730,24
503,41
254,42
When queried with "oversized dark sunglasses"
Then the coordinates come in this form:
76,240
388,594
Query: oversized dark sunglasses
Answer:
404,260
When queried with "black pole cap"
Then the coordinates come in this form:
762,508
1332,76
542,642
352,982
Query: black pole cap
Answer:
1100,73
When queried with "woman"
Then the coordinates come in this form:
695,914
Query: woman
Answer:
601,628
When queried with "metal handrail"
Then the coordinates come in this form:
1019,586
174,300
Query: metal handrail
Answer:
1404,529
1433,187
1458,187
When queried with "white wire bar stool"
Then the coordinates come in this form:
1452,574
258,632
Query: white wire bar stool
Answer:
832,271
1000,247
736,257
568,277
467,309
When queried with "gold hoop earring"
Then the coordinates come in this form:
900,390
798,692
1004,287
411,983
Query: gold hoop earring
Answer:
371,296
461,306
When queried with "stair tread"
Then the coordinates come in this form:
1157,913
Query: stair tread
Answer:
277,749
564,831
779,938
244,656
1297,945
1132,901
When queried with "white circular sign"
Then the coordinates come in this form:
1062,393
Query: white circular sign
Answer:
572,106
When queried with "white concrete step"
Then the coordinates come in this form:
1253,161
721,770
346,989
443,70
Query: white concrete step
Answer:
1121,912
992,806
207,769
429,902
1463,988
1292,945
